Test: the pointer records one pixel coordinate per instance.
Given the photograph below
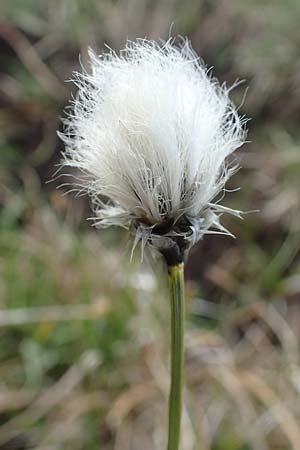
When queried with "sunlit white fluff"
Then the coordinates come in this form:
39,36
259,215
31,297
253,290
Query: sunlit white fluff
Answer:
149,131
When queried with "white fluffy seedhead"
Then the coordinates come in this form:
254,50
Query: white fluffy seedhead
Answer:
149,132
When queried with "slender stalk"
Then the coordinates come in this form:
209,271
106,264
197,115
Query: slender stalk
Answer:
176,284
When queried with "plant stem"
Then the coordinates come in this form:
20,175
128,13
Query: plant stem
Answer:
176,284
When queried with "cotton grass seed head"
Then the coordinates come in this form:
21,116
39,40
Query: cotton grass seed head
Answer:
149,132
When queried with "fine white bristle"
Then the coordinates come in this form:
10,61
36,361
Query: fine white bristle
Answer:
150,131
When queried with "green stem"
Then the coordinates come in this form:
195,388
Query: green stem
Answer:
176,284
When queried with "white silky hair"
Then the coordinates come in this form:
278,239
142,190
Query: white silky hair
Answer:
150,131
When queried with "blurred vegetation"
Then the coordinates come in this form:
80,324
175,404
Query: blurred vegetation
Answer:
84,334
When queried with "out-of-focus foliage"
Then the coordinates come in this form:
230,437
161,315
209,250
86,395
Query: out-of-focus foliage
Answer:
84,334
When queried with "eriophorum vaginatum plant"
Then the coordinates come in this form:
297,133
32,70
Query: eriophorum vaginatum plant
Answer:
149,133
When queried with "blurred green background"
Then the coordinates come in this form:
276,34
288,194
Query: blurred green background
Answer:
83,333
